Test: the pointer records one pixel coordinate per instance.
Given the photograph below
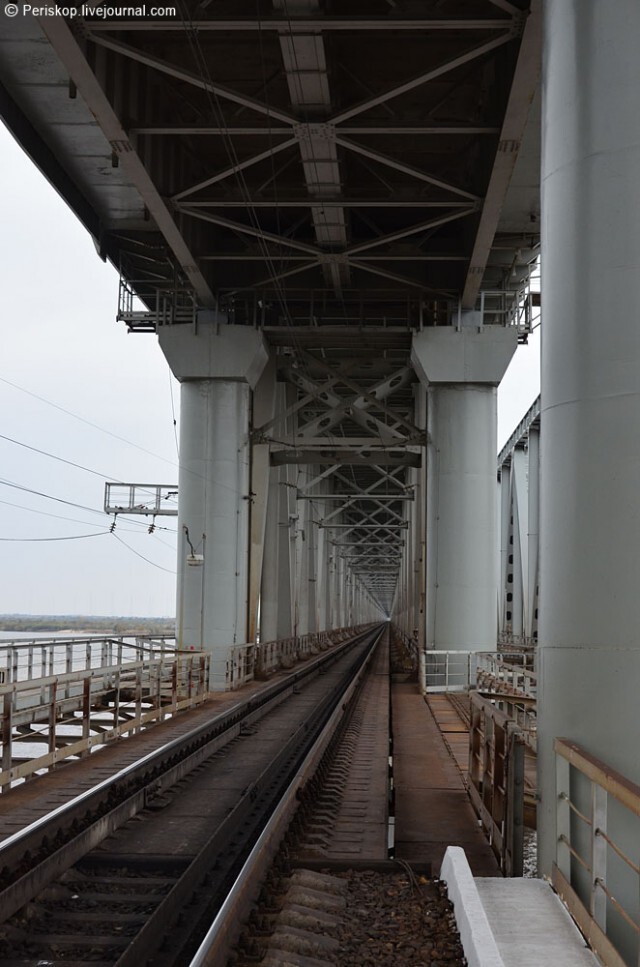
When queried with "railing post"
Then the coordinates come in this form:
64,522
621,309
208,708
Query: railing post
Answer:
598,854
499,786
174,680
159,689
204,675
86,712
7,737
515,805
68,665
487,756
563,816
138,699
474,745
53,694
43,672
116,701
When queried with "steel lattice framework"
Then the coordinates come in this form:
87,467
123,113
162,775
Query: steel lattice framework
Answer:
338,174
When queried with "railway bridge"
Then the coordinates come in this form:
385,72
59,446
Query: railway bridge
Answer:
327,216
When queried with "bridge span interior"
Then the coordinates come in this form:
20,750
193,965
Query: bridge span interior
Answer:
329,214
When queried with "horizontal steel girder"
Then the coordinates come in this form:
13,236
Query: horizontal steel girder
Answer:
345,457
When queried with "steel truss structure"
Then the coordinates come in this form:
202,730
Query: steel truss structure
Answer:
339,177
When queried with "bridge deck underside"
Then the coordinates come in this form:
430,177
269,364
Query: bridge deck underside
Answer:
319,174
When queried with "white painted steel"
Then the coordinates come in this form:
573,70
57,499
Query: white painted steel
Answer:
590,482
504,510
420,513
533,535
276,620
461,368
466,576
309,592
213,519
341,593
218,366
323,556
470,354
519,510
272,586
304,620
518,558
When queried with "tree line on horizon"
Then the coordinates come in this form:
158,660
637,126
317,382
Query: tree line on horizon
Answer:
97,624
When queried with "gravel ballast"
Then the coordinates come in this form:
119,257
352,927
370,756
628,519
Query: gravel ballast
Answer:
364,918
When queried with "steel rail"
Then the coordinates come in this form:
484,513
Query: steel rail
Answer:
219,860
56,835
225,928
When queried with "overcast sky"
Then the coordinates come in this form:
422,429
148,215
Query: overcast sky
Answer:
60,341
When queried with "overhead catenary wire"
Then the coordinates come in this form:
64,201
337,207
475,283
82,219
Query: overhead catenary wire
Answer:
68,503
102,429
76,416
74,520
71,537
54,456
141,556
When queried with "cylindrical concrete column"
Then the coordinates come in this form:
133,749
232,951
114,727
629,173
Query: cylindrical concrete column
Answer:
218,366
341,592
310,535
467,573
306,563
331,582
330,586
213,518
275,598
321,567
590,430
269,604
462,368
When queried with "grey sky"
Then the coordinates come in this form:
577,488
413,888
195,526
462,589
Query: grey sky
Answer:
61,342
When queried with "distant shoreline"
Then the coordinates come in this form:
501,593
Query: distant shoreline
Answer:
87,624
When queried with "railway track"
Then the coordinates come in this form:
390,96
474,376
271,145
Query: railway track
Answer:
321,900
135,870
